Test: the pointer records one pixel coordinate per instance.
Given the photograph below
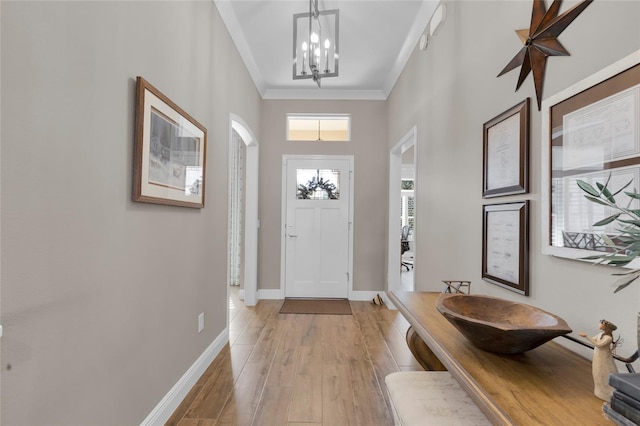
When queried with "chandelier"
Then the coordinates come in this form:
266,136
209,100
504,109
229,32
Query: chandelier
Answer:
315,43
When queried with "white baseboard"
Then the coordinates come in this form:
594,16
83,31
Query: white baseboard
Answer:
368,295
178,392
388,301
275,293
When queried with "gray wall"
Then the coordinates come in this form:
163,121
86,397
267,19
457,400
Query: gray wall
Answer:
100,295
449,91
367,145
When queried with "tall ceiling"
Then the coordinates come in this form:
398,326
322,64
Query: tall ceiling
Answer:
376,39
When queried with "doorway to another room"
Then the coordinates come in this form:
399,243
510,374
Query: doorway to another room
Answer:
402,209
243,222
407,220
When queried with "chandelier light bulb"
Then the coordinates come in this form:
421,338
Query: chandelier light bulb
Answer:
304,56
327,44
314,37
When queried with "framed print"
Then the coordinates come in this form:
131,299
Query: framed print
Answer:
505,168
505,245
590,132
169,156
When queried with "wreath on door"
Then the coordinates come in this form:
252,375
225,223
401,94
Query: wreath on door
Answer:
318,189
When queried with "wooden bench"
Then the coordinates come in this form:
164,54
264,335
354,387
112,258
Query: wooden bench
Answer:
420,398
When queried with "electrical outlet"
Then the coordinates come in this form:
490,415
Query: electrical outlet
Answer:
201,322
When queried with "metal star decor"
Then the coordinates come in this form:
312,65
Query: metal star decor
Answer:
540,41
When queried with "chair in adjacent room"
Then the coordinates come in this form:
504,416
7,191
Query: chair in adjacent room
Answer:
404,247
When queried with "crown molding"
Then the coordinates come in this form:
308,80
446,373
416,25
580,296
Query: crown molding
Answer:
233,27
416,30
324,94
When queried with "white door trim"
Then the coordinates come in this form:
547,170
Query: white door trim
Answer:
251,221
395,176
283,218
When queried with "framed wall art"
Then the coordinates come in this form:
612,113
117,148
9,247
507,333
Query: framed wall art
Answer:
505,168
505,245
590,132
169,156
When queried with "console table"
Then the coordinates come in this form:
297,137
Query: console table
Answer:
549,385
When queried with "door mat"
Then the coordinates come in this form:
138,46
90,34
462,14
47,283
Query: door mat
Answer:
316,306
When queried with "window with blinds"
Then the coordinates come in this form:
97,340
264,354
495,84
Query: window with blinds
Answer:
407,203
573,216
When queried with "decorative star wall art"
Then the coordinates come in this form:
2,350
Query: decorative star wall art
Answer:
540,41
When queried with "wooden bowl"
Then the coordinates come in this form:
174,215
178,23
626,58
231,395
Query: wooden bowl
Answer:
499,325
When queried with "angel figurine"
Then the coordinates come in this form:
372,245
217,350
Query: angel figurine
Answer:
603,363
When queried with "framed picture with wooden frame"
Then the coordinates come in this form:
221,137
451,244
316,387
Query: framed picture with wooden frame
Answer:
591,133
169,155
505,168
505,245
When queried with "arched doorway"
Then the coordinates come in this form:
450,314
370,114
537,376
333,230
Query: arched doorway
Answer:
243,222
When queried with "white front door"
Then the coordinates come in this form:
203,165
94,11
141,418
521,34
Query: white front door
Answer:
317,226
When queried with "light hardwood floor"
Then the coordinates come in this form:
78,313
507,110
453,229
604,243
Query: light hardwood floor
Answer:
406,280
300,369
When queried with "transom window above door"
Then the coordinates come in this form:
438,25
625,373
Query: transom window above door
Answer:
319,127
